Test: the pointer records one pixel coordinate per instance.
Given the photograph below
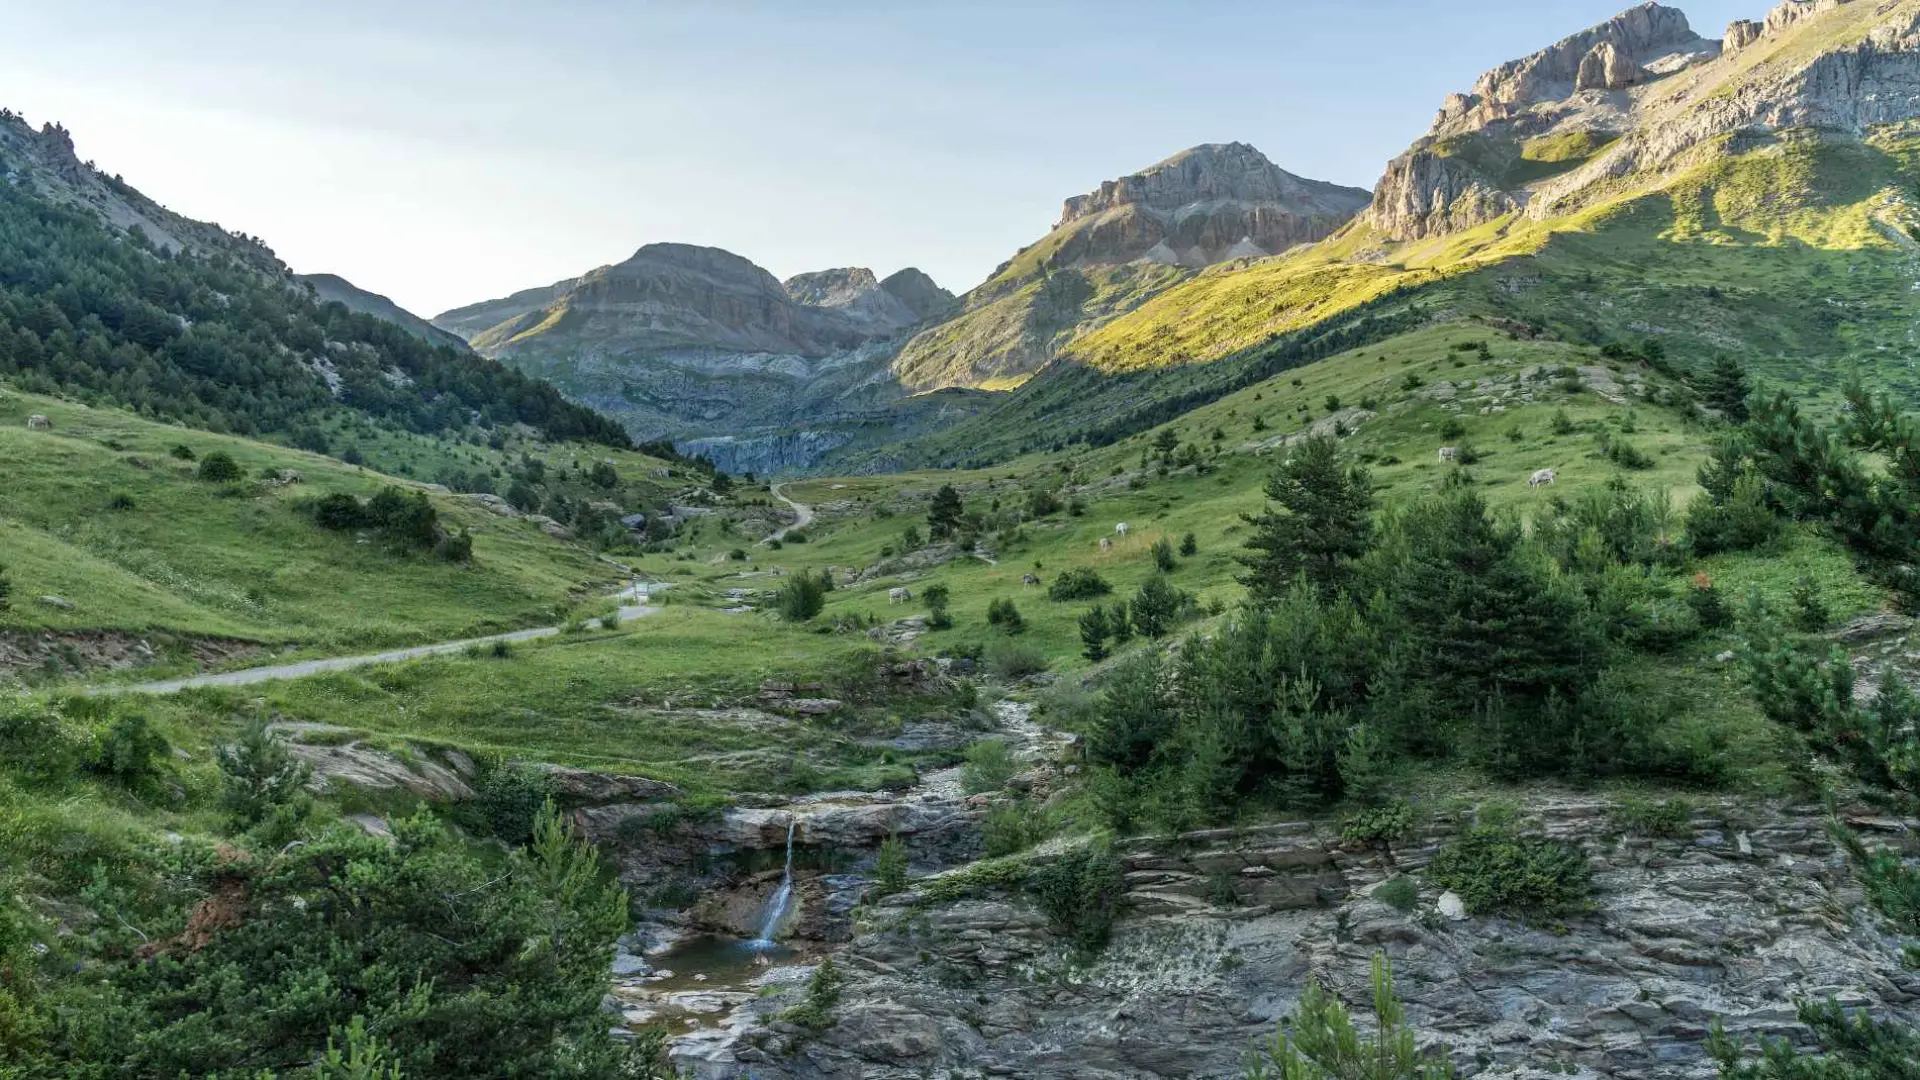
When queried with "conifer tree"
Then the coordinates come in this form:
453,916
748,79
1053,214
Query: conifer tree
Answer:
1319,519
1727,390
1094,634
944,513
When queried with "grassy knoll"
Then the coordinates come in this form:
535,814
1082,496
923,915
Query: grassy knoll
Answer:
101,513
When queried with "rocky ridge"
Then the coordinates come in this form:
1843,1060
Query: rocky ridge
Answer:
1632,97
332,288
1117,246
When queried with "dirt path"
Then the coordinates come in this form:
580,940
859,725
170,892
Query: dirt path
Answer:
634,605
803,514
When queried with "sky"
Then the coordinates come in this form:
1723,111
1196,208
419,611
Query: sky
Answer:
444,153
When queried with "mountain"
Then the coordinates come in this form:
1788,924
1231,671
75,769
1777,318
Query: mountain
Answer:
1635,186
703,346
332,288
1116,246
1638,98
110,298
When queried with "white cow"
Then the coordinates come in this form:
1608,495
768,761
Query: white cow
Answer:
899,596
1106,543
1120,529
36,422
1449,453
1544,476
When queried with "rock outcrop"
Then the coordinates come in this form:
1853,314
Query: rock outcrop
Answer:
1643,90
1746,909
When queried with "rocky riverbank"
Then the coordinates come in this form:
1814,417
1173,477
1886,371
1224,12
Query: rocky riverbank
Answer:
1735,915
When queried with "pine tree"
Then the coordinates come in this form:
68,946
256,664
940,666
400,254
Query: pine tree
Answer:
1726,389
1319,519
944,513
1094,634
1321,1043
1134,716
1155,607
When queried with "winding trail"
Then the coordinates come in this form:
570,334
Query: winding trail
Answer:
639,608
803,514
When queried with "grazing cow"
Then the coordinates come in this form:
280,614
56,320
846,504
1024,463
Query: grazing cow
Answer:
36,422
899,596
1120,529
1106,543
1030,580
1449,453
1544,476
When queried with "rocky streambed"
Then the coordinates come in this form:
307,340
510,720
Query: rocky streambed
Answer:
1744,909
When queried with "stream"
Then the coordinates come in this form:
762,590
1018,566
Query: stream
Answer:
695,982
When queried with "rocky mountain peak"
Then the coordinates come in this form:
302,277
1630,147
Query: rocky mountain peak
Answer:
831,288
919,292
1630,97
1611,56
1206,173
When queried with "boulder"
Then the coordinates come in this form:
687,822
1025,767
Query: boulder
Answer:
580,787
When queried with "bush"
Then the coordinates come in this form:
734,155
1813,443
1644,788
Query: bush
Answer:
1498,872
890,867
120,500
131,752
1008,829
261,777
6,589
1079,583
1668,818
1003,614
1379,824
181,451
737,554
506,800
988,767
1079,892
1398,892
1011,660
1163,556
1189,545
801,598
219,468
823,994
1156,608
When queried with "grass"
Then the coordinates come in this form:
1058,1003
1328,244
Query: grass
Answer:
99,513
650,699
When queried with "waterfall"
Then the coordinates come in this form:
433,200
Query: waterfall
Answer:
777,904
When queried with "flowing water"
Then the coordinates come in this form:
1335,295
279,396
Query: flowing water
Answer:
777,904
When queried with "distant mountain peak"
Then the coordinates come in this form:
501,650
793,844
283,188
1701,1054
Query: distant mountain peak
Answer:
1211,172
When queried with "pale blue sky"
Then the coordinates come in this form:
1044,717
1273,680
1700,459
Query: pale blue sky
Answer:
444,153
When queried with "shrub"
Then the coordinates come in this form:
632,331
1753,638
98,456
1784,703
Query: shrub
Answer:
1379,824
1452,428
1851,1046
890,867
1163,556
1810,612
801,598
737,554
988,767
120,500
1669,818
1189,545
181,451
6,589
1156,607
1079,892
1398,892
1495,871
130,751
261,777
823,995
1003,614
219,468
1007,830
1562,424
1079,583
1010,660
506,800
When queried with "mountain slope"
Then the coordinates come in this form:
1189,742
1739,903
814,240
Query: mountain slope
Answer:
1117,245
701,345
1752,201
107,296
332,288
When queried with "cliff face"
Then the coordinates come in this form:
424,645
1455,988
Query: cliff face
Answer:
1746,909
1643,90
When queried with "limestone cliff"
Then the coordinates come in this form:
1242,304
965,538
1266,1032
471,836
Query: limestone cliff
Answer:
1628,100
